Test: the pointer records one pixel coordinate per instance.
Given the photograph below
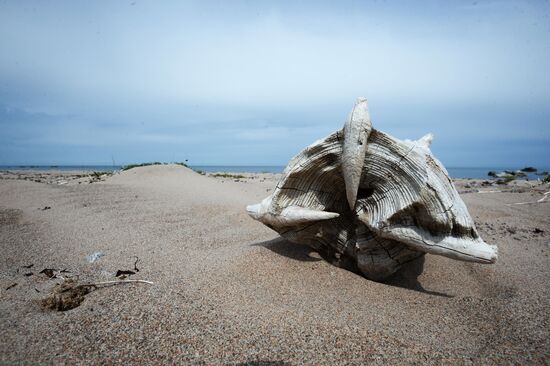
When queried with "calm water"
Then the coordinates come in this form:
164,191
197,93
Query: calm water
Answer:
478,173
94,168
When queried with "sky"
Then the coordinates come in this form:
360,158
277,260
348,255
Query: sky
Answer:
254,82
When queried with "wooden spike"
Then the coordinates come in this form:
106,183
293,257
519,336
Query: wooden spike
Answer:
356,132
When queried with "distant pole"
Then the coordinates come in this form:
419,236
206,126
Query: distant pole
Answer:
113,160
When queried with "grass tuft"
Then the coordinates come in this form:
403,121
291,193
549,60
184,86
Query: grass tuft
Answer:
132,166
227,175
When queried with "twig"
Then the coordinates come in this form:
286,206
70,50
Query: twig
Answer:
543,199
488,191
118,282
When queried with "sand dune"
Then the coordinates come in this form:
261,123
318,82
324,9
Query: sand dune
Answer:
227,290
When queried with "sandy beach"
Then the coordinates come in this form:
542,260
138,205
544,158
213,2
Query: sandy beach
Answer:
229,291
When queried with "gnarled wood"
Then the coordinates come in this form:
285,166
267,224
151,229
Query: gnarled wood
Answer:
372,200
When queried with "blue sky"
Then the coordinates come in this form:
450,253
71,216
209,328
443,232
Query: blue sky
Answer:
253,82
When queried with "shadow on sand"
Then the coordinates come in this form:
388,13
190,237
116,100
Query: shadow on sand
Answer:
406,277
290,250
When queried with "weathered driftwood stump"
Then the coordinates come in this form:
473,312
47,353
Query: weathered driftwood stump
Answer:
370,202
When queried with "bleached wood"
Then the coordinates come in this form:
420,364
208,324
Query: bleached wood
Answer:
376,205
292,215
540,200
356,132
426,140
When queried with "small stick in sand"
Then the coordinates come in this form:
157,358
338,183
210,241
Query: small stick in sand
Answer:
543,199
107,283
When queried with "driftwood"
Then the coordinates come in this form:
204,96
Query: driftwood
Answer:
541,200
370,202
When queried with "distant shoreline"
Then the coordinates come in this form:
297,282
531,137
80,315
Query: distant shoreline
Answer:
454,172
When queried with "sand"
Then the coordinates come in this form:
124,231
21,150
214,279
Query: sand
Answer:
227,290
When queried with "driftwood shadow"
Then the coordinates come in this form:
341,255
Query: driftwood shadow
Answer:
290,250
406,277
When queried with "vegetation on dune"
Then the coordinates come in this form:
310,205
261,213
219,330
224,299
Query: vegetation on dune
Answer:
98,175
228,175
131,166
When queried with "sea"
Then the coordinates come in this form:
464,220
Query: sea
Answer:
454,172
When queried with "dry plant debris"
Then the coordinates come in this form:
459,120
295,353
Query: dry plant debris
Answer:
50,272
124,273
69,294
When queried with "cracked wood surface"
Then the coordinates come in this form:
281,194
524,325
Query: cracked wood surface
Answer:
373,200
